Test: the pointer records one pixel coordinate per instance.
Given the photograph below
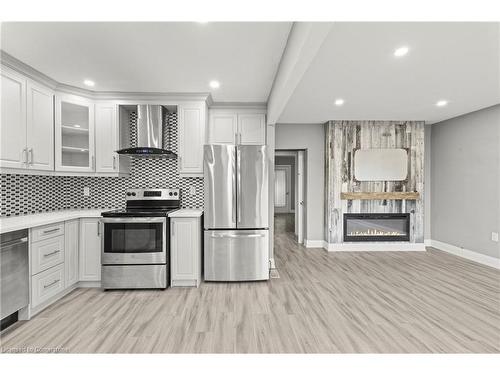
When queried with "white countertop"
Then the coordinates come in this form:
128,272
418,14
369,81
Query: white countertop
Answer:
12,223
186,212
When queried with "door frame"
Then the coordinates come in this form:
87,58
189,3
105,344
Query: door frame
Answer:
300,180
288,182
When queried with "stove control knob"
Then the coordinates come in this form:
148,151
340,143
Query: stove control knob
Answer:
170,194
129,194
175,193
133,194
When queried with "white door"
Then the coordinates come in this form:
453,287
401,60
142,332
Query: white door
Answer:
223,128
74,134
106,138
282,188
299,207
40,127
192,123
90,250
252,129
71,241
13,151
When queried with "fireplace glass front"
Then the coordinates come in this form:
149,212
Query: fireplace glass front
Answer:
376,227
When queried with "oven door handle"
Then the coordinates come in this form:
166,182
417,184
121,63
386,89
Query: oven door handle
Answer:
133,220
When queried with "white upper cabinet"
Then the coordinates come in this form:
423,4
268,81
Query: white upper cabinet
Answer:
251,129
13,150
40,126
223,128
106,138
74,139
237,126
27,128
192,120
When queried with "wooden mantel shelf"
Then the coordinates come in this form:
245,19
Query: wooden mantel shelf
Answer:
396,195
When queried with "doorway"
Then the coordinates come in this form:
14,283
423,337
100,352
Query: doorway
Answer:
289,196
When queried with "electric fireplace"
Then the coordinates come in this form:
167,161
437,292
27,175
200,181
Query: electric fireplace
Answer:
376,227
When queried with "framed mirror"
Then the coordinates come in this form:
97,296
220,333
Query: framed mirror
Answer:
381,164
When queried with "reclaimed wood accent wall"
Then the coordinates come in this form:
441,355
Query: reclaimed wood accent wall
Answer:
342,138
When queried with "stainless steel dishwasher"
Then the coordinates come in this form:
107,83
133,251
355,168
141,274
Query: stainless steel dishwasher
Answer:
14,275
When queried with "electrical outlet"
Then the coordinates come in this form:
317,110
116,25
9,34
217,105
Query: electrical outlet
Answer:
192,190
494,236
86,191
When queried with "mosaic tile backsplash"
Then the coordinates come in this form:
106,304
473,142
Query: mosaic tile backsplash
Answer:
29,194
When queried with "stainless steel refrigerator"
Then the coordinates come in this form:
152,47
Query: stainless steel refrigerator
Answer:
236,221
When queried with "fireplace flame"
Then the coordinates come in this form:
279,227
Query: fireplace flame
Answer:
374,232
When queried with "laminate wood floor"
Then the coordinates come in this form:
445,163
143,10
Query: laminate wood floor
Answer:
382,302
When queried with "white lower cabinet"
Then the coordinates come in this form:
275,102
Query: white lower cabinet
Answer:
47,284
61,255
71,246
46,254
185,251
90,250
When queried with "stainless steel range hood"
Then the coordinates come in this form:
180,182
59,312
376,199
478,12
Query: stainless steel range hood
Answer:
149,133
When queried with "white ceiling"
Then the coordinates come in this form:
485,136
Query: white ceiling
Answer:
154,57
458,62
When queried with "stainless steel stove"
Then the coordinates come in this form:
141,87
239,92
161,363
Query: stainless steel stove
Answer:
135,245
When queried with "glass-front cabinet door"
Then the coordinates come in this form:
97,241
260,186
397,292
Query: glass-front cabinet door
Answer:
74,146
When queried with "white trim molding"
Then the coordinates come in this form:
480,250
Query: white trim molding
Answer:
465,253
375,246
314,243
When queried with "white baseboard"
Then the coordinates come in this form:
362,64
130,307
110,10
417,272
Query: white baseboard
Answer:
272,264
314,243
89,284
375,246
465,253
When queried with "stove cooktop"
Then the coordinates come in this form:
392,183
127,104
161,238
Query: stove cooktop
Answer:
139,212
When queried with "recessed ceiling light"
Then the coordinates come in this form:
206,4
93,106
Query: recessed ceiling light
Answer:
214,84
441,103
89,83
401,51
339,102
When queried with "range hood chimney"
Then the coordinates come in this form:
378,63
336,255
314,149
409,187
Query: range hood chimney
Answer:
149,133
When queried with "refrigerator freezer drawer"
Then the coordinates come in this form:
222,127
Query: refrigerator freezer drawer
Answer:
236,255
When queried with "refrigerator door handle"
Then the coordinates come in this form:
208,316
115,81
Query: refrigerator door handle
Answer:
255,235
238,182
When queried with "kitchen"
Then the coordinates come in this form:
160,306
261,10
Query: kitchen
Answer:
140,208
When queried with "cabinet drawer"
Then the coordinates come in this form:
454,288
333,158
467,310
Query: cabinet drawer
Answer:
46,254
47,231
47,284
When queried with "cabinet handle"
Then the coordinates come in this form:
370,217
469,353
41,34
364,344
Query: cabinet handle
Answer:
114,162
240,137
235,138
52,253
52,283
25,156
93,162
98,228
30,156
50,230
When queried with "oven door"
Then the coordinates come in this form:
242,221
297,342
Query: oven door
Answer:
138,240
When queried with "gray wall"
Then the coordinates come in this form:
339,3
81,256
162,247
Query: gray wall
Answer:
427,182
288,160
311,138
465,177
